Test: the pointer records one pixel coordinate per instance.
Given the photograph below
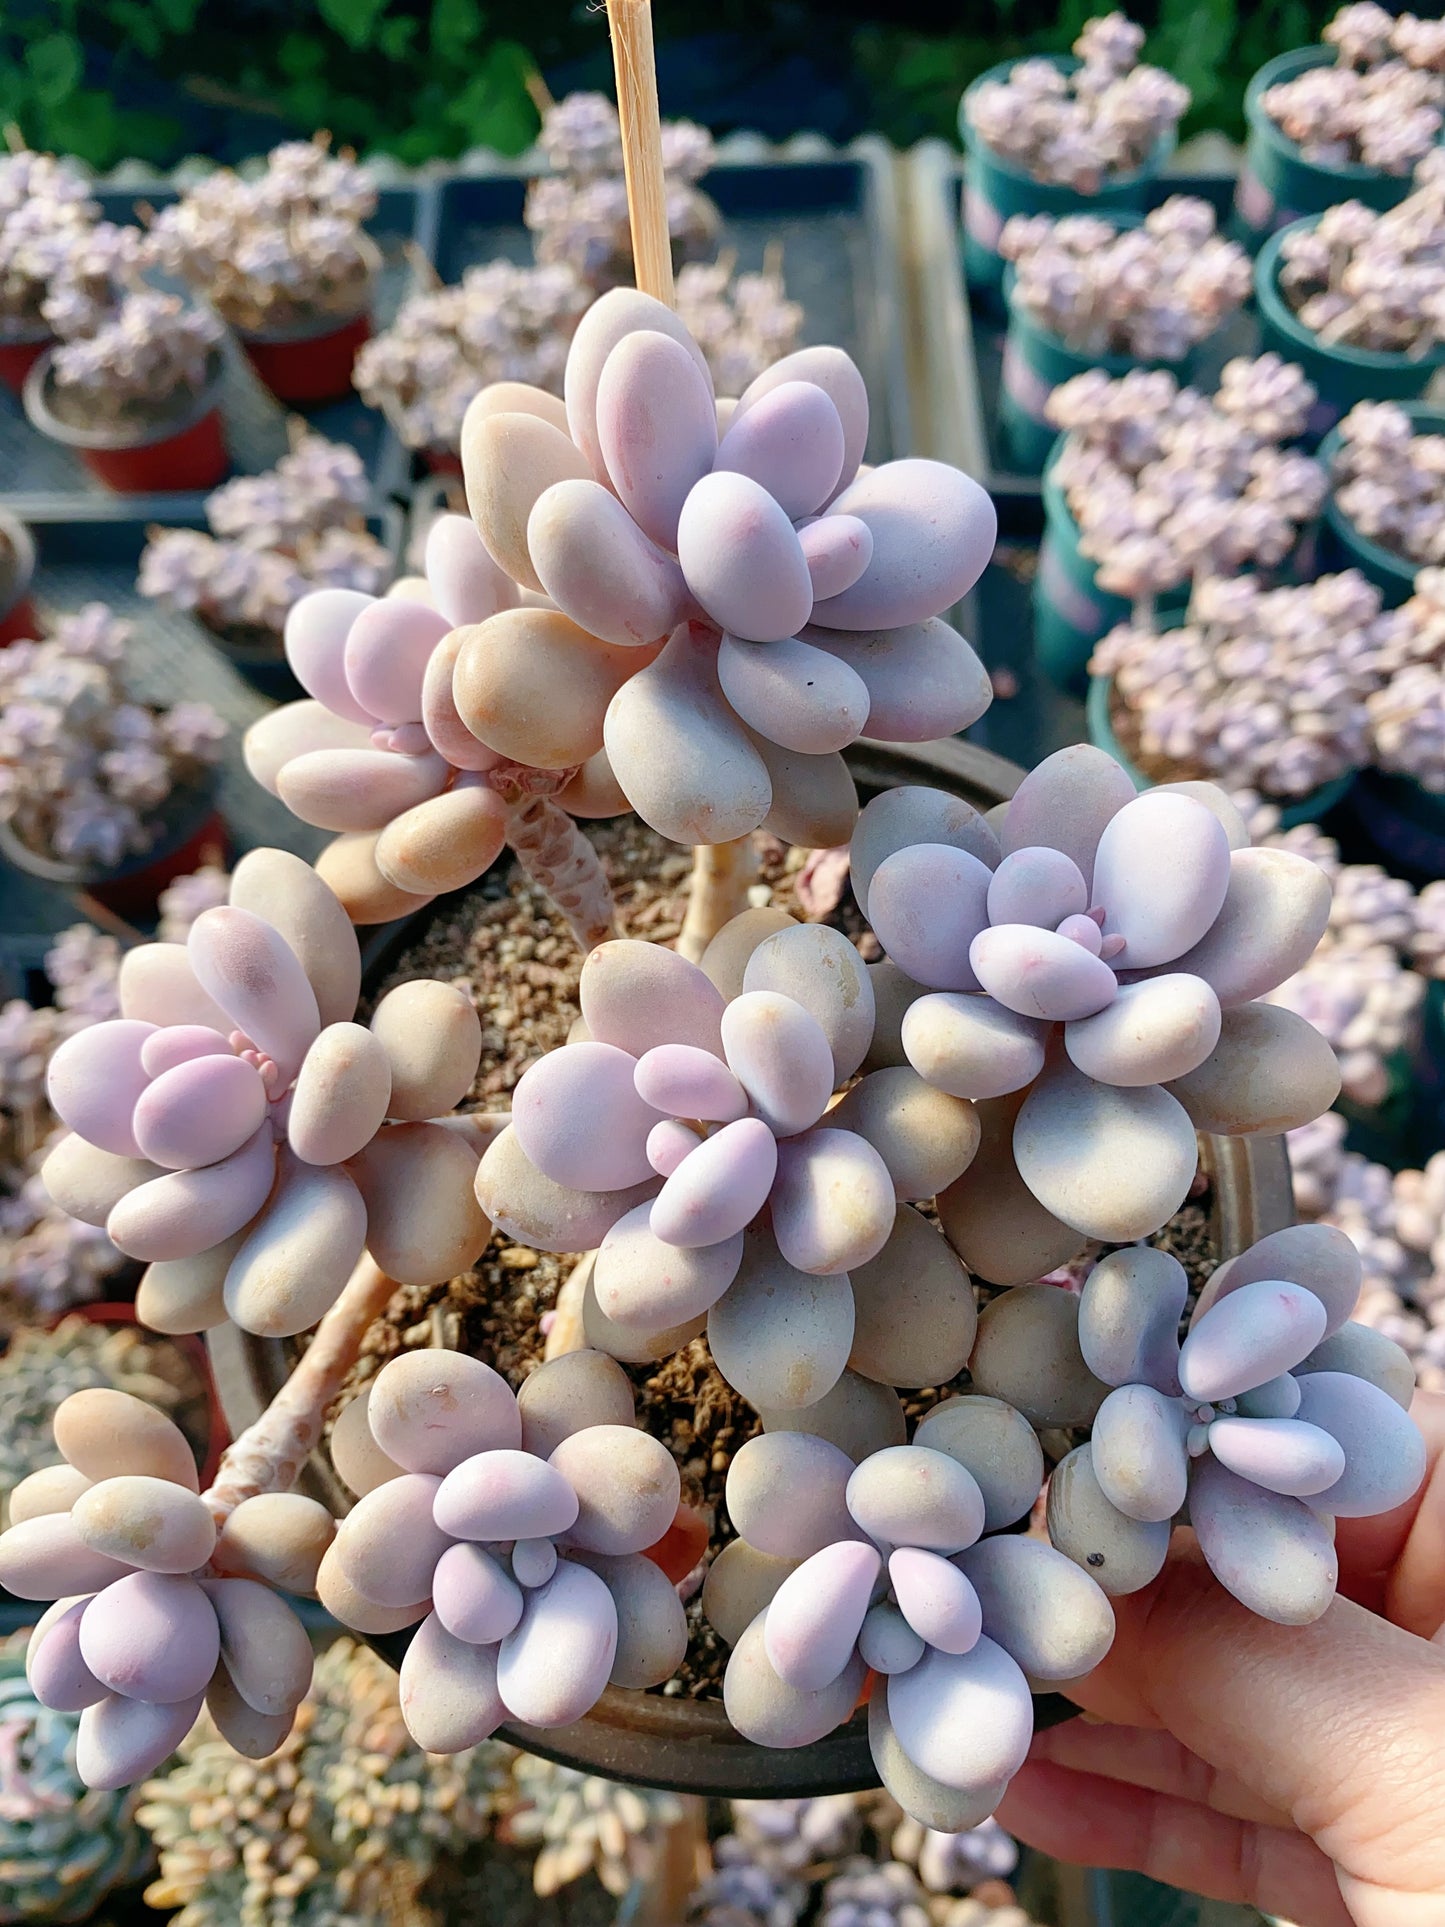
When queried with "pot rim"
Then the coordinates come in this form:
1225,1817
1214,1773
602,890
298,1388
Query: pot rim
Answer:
647,1738
1281,316
22,544
41,416
1263,125
196,801
320,326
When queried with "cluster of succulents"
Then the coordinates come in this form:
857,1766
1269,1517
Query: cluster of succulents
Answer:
1167,484
1396,1222
743,323
1267,687
577,211
745,603
341,1824
1359,279
40,1369
279,248
145,353
379,752
581,1824
273,538
1407,712
235,1131
513,1532
498,323
63,1846
165,1599
1389,483
1106,116
45,207
1379,104
83,767
1153,291
947,1862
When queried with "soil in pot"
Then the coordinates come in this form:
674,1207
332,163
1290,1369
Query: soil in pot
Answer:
505,944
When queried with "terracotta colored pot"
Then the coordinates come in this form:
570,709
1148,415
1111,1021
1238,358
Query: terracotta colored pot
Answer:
689,1745
186,453
19,356
308,364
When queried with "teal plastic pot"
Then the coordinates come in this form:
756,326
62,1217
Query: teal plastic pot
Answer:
1071,612
1342,375
1343,547
1035,363
994,189
1097,710
1402,824
1277,185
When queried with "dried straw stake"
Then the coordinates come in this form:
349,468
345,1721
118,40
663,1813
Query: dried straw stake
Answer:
637,109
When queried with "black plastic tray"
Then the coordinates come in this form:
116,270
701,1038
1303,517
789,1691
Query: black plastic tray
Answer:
42,479
965,340
93,557
834,216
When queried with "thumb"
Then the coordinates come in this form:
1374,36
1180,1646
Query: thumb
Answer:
1340,1724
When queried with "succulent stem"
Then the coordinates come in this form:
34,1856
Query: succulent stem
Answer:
721,874
558,857
269,1455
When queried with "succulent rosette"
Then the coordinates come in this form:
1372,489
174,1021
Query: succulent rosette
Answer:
731,597
1093,958
156,1613
514,1530
689,1137
1277,1415
884,1565
378,752
236,1131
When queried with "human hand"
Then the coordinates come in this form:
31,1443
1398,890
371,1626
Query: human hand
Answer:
1300,1769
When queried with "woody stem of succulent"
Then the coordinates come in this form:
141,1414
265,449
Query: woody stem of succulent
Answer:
269,1455
557,856
721,874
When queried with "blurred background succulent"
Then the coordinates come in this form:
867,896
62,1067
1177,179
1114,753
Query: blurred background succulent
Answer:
1153,291
1359,279
1167,484
1265,687
1389,483
340,1827
1078,128
146,354
63,1846
1407,712
580,1823
743,323
577,212
279,247
273,537
84,769
1379,104
45,206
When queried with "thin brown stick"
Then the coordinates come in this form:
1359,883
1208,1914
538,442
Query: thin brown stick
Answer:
269,1455
721,875
637,109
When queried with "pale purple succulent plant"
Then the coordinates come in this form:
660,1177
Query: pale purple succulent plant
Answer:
1377,281
282,247
1275,1415
499,323
237,1132
140,354
1153,291
1407,711
1246,690
513,1542
1380,105
45,210
743,323
1389,483
82,768
577,213
1106,117
1097,1018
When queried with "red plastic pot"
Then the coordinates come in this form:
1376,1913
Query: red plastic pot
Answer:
18,618
192,833
188,453
442,461
17,358
302,366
